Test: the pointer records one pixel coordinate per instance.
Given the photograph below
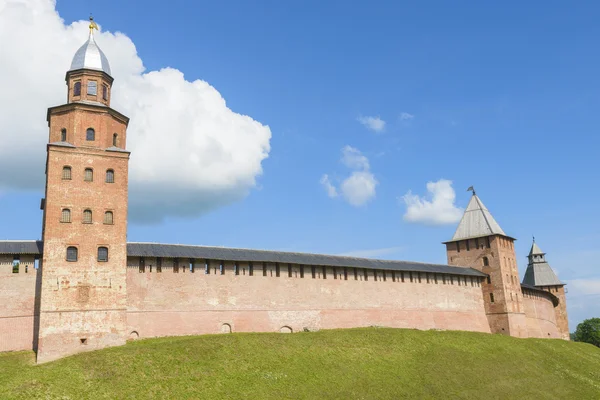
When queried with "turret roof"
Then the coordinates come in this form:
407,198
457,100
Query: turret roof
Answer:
89,56
539,272
476,222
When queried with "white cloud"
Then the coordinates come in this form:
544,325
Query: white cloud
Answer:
331,190
358,188
439,210
375,124
354,159
585,286
190,152
406,116
374,253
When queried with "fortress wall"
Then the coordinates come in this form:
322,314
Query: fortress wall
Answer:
540,316
170,303
17,296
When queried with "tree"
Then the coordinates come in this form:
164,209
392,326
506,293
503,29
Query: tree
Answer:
589,331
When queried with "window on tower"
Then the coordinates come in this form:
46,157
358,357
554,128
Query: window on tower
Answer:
104,92
87,216
115,137
102,254
77,89
92,88
88,175
66,173
108,218
71,253
486,262
90,135
63,135
65,216
110,176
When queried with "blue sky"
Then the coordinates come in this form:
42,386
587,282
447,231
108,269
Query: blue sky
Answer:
502,96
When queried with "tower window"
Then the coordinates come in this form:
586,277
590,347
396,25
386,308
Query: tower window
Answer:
102,254
108,218
66,174
63,135
110,176
487,242
92,88
77,89
89,175
467,242
104,92
458,246
65,215
87,216
90,135
486,262
491,297
115,138
71,253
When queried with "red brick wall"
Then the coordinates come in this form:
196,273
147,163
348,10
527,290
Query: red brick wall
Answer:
185,303
17,297
540,316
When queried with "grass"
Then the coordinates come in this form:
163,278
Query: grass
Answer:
371,363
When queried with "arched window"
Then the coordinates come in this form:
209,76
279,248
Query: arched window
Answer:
110,176
89,175
65,216
63,135
108,218
71,253
115,137
104,92
486,262
87,216
77,89
103,254
90,134
92,88
66,174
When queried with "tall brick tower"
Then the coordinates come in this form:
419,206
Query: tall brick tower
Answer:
480,243
83,294
541,275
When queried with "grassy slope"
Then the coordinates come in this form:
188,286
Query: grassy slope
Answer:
358,364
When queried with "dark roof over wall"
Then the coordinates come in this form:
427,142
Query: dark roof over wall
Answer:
24,247
223,253
247,255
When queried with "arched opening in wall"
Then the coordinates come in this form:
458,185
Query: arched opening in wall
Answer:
115,140
285,329
486,262
134,335
225,328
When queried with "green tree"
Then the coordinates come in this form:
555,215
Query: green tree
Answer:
589,331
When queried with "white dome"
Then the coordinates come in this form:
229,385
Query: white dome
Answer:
91,57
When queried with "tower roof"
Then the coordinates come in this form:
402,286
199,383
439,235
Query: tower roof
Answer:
476,222
539,272
89,55
535,249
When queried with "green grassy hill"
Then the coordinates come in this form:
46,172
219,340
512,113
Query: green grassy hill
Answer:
337,364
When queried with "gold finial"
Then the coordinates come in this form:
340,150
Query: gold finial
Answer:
93,25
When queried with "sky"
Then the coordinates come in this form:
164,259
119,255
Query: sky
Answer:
334,127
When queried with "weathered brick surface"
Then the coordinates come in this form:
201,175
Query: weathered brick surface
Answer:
83,303
17,303
183,303
539,310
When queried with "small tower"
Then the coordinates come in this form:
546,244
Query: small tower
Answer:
480,243
540,274
83,293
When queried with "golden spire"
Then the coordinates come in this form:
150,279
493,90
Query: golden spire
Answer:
93,25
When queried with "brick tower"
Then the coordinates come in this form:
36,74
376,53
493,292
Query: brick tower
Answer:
480,243
83,294
541,275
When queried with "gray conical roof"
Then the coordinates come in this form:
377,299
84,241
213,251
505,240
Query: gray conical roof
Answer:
90,56
535,249
476,222
539,272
